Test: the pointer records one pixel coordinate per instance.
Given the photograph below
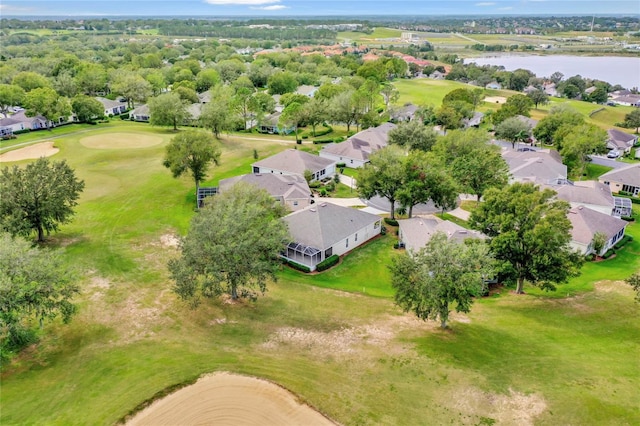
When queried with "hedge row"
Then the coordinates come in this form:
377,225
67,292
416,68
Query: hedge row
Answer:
327,263
626,239
390,222
297,266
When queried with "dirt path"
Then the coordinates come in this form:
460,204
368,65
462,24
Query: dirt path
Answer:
32,152
229,399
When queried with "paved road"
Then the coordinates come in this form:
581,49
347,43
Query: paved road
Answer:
609,162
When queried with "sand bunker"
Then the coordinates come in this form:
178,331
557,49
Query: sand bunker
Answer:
229,399
495,99
33,152
120,141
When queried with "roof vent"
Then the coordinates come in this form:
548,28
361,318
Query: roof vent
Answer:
312,210
258,174
323,205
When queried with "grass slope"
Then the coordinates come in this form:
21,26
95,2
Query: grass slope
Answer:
548,358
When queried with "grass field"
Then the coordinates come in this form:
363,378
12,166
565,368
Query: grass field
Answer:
335,339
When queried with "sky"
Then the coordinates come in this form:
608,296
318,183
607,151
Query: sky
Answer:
354,8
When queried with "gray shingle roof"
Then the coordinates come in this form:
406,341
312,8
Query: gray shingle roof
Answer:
108,103
325,224
538,166
587,222
285,186
417,231
620,139
361,145
586,192
629,175
294,161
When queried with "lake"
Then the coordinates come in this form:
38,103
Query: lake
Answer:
612,69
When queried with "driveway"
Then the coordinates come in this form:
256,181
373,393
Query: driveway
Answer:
609,162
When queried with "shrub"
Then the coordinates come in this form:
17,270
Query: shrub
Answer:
330,187
608,254
383,231
17,132
324,131
627,218
341,165
315,184
124,116
390,222
590,257
338,139
297,266
323,192
327,263
305,136
317,141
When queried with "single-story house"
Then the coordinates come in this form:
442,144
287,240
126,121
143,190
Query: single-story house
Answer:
322,230
540,167
550,89
306,90
294,162
528,121
625,179
292,191
586,223
474,121
620,141
20,121
271,124
437,75
204,97
140,113
195,111
589,193
628,100
11,125
416,232
112,107
404,113
355,151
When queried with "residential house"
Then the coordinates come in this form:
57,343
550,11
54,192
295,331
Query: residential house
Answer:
271,124
437,75
405,113
586,223
626,179
112,107
306,90
528,121
195,111
204,97
620,141
540,167
322,230
589,193
20,121
416,232
355,151
140,113
294,162
494,85
550,89
10,125
628,100
292,191
474,121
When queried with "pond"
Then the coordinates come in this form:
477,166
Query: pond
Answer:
612,69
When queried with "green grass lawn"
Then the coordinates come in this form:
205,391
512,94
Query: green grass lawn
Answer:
335,339
594,171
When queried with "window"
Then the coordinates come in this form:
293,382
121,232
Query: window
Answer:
295,203
347,243
376,225
356,238
351,161
606,182
328,252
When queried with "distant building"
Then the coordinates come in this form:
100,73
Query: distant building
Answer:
294,162
355,151
416,232
292,191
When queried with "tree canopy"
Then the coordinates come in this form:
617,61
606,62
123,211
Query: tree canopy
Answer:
38,197
529,233
86,108
168,109
413,135
383,175
514,130
192,151
232,246
35,285
440,274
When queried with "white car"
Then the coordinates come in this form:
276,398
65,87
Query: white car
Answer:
613,154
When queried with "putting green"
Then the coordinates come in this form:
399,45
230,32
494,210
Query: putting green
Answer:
121,141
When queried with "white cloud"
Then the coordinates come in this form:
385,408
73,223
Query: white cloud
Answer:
6,8
485,3
272,7
505,8
241,2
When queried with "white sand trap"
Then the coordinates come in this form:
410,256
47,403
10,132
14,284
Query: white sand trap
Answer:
32,152
495,99
121,141
229,399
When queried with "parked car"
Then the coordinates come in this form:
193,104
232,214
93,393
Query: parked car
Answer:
613,154
526,149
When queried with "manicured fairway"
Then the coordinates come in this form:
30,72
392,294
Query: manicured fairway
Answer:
335,340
